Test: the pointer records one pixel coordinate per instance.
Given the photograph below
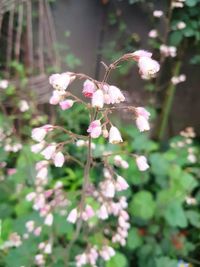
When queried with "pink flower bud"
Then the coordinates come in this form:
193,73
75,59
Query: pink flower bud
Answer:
49,219
58,159
114,136
37,231
89,88
121,184
73,216
95,129
11,171
66,104
98,99
141,162
60,81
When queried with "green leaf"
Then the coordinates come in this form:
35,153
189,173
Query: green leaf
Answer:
143,205
166,262
119,260
193,218
159,165
176,37
175,215
191,3
134,239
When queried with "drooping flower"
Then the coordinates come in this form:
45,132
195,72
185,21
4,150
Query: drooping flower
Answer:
142,117
107,252
95,129
49,219
141,53
114,136
103,212
60,81
148,67
58,159
108,188
141,162
38,134
37,147
73,216
112,95
88,213
49,151
55,98
89,88
121,184
98,99
66,104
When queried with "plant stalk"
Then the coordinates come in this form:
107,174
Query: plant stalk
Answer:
168,102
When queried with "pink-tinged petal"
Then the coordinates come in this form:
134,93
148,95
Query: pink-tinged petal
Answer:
141,162
66,104
89,88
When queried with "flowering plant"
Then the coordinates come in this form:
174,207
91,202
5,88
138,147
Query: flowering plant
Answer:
97,201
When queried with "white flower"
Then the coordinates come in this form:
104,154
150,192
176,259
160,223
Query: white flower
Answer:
103,213
157,13
60,81
49,219
49,151
114,136
181,25
4,84
141,162
108,189
38,134
58,159
148,67
113,95
153,34
23,105
142,124
37,147
48,249
98,99
121,184
73,216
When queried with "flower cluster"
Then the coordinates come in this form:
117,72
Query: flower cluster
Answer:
168,51
106,196
47,201
178,79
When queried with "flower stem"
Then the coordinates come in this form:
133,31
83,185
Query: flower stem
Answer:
168,104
